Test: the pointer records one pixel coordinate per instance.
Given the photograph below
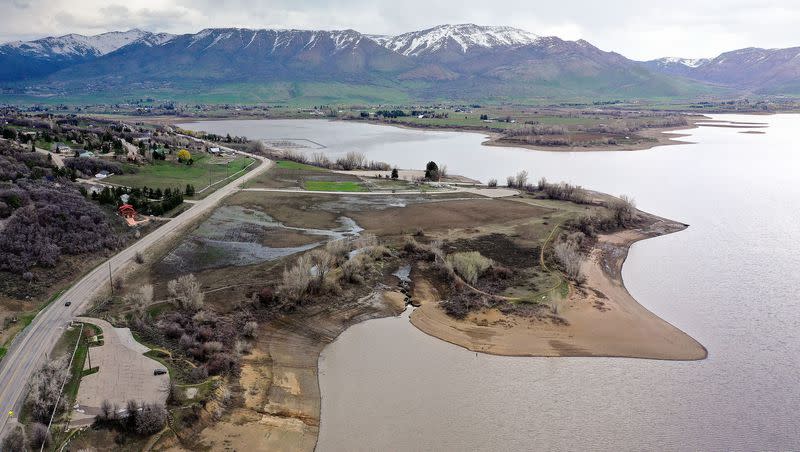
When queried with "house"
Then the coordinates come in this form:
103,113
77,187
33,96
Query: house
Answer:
103,174
62,148
84,153
159,154
215,151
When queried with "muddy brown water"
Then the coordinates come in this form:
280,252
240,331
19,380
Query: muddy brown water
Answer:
730,280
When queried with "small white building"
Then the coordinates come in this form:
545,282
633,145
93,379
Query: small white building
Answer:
215,151
103,174
62,148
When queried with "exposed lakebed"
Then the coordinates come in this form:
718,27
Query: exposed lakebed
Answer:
237,236
729,280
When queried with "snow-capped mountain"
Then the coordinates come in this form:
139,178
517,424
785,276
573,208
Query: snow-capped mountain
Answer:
464,61
675,65
20,59
761,70
461,38
74,45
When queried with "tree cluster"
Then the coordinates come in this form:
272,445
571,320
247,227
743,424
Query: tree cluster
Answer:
88,167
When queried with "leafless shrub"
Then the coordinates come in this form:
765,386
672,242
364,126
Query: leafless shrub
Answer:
492,183
378,252
321,160
139,257
469,265
322,263
297,279
212,347
250,330
256,147
339,248
354,269
365,241
563,192
243,347
295,156
186,291
570,258
352,160
105,410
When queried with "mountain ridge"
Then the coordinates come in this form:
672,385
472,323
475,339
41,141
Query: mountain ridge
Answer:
464,60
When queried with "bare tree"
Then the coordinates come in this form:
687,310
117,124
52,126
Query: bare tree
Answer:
150,419
14,441
186,290
40,435
522,179
623,209
443,171
44,388
140,299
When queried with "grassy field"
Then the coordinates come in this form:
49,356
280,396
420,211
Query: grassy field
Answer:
290,165
169,174
318,185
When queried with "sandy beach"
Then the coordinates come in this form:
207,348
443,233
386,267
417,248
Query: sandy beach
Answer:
603,318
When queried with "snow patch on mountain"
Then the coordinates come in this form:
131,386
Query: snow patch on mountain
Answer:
465,36
688,62
75,45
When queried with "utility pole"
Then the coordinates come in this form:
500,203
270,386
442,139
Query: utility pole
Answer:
110,280
88,354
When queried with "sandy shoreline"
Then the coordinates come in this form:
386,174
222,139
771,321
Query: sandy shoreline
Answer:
604,319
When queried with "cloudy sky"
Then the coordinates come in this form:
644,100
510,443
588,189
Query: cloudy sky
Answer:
637,29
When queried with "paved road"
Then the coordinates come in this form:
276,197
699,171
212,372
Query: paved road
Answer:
30,347
58,159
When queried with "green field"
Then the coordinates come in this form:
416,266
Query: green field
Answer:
169,174
290,165
318,185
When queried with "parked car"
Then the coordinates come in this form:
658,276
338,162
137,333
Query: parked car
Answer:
159,371
69,303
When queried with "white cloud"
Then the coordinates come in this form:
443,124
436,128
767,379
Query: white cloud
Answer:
641,30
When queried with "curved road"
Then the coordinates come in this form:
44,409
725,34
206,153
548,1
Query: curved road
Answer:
30,347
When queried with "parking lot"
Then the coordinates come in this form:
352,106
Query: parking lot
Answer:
124,374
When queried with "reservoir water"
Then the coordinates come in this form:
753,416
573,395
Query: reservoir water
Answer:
732,281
